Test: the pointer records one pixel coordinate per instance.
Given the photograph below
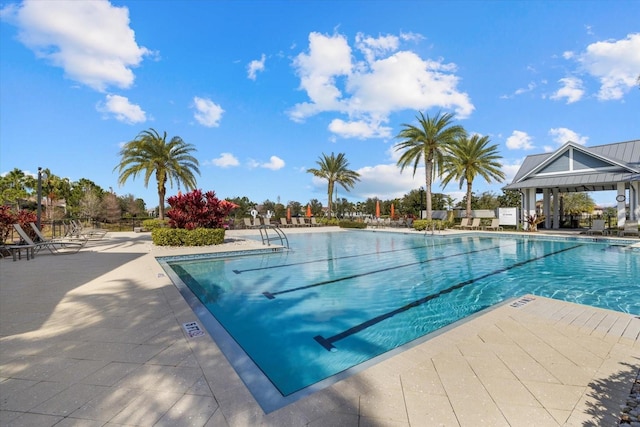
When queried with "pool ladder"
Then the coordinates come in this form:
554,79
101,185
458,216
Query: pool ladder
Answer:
279,235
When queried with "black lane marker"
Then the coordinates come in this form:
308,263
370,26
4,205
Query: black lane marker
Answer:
330,259
272,295
327,343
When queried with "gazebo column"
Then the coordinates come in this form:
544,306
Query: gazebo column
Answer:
546,208
622,204
556,209
529,204
634,200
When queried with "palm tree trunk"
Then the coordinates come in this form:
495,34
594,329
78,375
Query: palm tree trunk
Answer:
469,185
429,179
329,194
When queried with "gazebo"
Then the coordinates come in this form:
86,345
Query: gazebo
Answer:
576,168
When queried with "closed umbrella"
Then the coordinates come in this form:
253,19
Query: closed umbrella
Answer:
308,211
393,213
289,214
377,208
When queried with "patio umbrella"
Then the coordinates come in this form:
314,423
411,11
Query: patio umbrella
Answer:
392,211
377,208
288,214
308,211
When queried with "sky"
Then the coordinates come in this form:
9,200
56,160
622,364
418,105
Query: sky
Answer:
262,89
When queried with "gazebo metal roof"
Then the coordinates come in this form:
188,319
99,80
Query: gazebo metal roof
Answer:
575,168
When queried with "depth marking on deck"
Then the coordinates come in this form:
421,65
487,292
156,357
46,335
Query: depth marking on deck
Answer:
327,343
193,329
272,295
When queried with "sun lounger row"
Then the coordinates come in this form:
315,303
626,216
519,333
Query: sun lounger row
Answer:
33,246
295,222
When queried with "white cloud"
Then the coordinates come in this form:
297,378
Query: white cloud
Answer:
207,112
122,109
225,160
572,90
519,141
359,129
385,181
367,91
275,163
510,169
614,63
564,135
255,66
90,40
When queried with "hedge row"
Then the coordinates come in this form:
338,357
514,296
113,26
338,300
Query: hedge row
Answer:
352,224
182,237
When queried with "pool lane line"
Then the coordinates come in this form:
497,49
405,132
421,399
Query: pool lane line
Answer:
327,343
330,259
272,295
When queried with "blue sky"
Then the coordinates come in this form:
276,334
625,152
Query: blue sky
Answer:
263,88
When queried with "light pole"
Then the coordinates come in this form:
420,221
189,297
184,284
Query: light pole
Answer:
421,193
39,198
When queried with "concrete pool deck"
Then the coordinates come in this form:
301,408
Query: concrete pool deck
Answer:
97,339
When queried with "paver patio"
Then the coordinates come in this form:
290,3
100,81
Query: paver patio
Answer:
96,338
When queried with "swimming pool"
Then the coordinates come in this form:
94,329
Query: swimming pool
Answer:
337,300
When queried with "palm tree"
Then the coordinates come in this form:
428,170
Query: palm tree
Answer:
150,153
335,169
427,142
467,158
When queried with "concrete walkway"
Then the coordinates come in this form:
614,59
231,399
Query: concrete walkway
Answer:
96,339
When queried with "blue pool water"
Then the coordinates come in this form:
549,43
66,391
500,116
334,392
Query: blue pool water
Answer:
337,300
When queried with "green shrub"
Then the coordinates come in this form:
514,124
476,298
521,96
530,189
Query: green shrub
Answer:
430,224
182,237
327,221
152,224
351,224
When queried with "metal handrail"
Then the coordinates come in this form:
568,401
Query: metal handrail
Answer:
266,239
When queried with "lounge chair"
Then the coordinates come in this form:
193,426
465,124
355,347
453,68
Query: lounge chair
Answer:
464,223
249,224
42,239
54,246
475,224
598,226
495,225
284,223
630,228
314,223
78,230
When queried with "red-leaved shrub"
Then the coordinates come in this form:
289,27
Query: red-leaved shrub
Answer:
197,210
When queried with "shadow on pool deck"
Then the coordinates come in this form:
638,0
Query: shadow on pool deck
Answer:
96,337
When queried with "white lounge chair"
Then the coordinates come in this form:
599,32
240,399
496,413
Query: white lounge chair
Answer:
464,223
598,226
284,223
78,230
630,229
55,247
475,224
495,225
42,239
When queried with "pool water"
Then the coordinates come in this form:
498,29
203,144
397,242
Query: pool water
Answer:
337,300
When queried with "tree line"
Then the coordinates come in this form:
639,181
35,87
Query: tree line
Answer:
444,149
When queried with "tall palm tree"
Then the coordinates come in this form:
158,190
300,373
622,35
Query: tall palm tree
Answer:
427,142
150,153
467,158
335,169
